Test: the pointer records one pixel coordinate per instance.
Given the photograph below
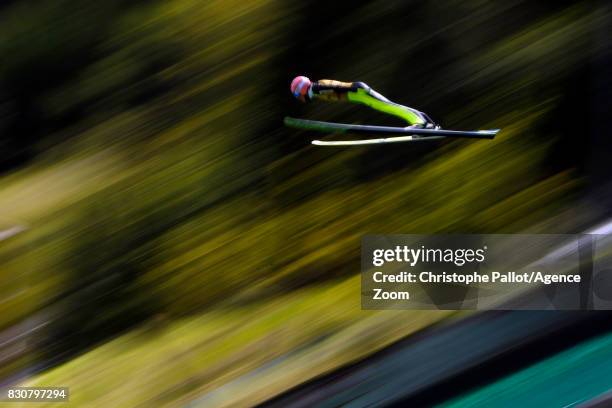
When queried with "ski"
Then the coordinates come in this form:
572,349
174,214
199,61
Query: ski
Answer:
399,139
330,127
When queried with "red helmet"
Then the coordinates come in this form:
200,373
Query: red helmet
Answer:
300,87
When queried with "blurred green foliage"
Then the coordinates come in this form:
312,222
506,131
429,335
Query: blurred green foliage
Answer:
143,148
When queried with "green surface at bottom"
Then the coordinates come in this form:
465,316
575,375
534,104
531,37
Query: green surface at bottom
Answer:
564,380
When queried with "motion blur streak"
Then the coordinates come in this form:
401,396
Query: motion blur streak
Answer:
163,237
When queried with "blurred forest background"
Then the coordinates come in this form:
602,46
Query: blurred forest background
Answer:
165,235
